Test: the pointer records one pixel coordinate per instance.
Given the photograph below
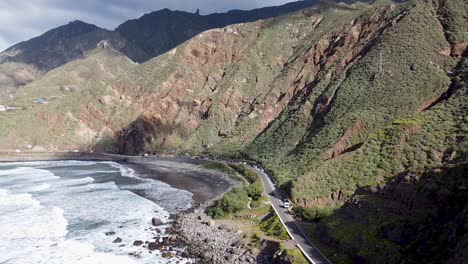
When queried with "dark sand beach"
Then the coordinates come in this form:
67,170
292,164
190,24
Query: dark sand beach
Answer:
180,173
205,185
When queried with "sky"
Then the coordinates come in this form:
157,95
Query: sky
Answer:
22,20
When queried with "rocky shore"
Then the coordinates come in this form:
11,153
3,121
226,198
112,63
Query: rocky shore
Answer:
195,236
208,242
190,236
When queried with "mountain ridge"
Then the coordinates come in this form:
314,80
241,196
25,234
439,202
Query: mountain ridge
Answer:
162,30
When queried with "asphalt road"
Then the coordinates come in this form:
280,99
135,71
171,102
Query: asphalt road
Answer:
295,231
297,234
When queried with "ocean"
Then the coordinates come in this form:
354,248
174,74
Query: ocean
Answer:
60,211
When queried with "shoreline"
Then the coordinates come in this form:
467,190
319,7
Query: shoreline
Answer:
202,238
180,173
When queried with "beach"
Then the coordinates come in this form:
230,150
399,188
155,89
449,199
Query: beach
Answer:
180,173
119,191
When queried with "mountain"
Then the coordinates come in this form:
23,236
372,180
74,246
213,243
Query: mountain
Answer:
140,39
26,61
160,31
59,46
357,110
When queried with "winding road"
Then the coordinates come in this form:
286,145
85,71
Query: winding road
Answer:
288,221
295,231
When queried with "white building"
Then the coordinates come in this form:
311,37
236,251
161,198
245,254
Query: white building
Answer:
3,108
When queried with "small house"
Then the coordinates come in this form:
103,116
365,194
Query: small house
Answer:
3,108
40,101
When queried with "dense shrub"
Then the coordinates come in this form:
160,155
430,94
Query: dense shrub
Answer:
232,202
273,226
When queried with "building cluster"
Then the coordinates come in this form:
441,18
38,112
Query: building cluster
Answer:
5,108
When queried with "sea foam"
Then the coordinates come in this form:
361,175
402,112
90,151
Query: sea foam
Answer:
64,218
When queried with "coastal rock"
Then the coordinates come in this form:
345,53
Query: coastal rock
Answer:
117,240
138,243
167,255
154,246
156,221
111,233
204,240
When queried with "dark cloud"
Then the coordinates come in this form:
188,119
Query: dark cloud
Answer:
22,20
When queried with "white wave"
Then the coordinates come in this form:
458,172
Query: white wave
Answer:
57,163
162,193
73,182
33,233
124,171
38,188
65,219
26,179
159,192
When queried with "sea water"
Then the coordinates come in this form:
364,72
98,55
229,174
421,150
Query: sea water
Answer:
60,211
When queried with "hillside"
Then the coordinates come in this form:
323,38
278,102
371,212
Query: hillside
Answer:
139,39
67,116
157,32
359,111
28,60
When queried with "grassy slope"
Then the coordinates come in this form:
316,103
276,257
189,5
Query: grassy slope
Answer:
413,73
431,144
13,74
75,92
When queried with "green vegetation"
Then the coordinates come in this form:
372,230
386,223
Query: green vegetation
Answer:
369,124
452,14
232,202
237,199
219,166
295,256
379,233
312,214
273,227
255,188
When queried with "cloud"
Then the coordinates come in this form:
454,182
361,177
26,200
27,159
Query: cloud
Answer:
22,20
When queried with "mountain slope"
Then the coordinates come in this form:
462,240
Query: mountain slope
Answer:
26,61
140,39
67,115
59,46
158,32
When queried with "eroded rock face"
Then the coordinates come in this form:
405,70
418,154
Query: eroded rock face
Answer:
213,99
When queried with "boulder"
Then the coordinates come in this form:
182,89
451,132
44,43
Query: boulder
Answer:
167,255
111,233
154,246
156,221
138,243
117,240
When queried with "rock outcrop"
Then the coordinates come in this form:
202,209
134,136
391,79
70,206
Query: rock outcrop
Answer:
209,242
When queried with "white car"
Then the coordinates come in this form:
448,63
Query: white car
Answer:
286,204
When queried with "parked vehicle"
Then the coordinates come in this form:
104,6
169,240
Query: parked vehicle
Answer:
286,203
